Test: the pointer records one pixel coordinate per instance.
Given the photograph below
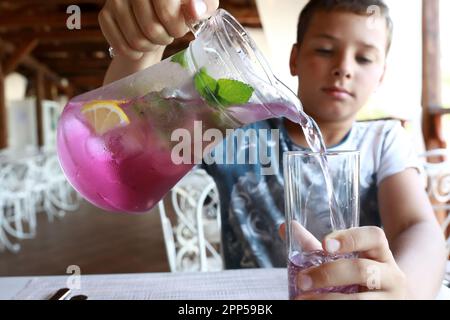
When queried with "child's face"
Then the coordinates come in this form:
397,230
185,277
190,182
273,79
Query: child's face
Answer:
340,63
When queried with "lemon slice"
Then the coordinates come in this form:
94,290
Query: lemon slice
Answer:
104,115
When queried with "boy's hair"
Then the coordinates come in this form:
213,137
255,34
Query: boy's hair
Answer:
361,7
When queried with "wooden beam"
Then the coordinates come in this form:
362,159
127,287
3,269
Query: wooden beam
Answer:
35,65
39,6
431,89
71,55
87,79
245,12
3,114
20,53
49,92
40,95
87,82
54,20
57,2
59,36
45,48
81,65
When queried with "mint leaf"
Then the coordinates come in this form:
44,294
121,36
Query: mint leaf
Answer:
233,92
180,58
205,85
226,92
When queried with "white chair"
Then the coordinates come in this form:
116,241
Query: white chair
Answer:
50,188
437,167
17,208
31,181
192,236
6,176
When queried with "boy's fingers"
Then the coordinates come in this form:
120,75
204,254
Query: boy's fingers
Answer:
130,28
302,236
339,296
196,10
114,36
211,6
171,15
346,272
371,242
149,23
305,239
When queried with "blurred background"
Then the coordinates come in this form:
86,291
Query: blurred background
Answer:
44,225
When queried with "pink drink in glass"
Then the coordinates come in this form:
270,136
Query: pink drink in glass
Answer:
302,261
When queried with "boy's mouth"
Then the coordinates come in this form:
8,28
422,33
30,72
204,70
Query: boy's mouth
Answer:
337,92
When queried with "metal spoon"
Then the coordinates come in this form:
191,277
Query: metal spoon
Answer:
61,294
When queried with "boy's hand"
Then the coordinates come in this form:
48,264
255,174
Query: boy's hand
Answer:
302,236
136,27
375,271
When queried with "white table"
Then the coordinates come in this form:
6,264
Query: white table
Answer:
249,284
10,286
243,284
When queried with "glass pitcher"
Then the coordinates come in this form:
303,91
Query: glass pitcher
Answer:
115,144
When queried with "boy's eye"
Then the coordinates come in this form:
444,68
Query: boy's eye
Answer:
363,60
324,51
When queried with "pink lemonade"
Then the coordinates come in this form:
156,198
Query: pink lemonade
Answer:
302,261
129,168
126,169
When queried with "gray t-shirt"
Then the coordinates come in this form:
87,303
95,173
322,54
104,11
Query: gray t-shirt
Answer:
252,203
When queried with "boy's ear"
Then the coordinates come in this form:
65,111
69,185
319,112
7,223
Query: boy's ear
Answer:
293,60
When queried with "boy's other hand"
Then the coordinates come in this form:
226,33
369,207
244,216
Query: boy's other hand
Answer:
375,270
136,27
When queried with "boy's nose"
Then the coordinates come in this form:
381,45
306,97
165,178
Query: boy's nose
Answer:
343,66
341,72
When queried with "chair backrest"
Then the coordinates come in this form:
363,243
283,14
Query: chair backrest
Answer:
437,167
190,219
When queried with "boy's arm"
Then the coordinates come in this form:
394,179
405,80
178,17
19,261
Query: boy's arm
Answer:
122,66
415,238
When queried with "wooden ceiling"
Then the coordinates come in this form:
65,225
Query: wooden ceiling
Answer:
34,39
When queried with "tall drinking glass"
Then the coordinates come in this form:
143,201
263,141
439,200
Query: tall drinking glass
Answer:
308,208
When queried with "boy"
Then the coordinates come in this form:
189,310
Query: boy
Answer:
340,60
